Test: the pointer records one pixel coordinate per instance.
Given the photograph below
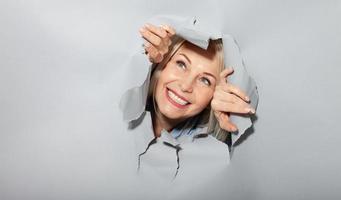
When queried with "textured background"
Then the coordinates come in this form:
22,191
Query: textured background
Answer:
60,79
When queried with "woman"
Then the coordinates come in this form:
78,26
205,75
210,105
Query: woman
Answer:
188,104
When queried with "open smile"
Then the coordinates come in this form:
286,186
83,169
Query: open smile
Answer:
176,99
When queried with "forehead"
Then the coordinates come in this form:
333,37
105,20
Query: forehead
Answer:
200,57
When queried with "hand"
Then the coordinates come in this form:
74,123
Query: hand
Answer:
227,99
158,40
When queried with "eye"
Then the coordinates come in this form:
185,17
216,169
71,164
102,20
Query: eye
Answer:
181,64
206,81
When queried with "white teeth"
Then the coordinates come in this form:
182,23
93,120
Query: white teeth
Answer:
176,98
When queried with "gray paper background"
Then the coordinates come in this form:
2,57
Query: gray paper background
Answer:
60,134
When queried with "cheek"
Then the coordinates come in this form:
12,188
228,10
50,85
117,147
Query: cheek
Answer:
159,90
168,74
204,97
171,69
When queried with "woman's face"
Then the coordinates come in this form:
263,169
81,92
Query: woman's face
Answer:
185,86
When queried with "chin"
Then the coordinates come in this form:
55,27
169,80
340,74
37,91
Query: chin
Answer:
171,113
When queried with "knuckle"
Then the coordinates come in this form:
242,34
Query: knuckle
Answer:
235,89
151,54
163,34
213,104
217,88
158,55
234,98
224,88
161,58
228,86
148,49
162,52
147,34
157,41
146,44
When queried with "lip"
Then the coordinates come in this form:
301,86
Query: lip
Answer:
173,102
181,97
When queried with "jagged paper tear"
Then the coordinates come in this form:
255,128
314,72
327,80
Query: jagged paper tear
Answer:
134,100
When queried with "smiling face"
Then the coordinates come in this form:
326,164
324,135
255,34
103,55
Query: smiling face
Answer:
186,84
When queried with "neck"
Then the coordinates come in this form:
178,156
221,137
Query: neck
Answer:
160,122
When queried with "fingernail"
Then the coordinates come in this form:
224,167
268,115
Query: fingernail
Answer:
250,110
147,25
164,27
142,29
247,98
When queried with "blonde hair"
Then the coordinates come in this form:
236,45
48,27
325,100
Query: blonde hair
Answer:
207,115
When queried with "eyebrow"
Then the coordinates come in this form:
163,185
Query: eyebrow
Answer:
186,57
207,73
210,75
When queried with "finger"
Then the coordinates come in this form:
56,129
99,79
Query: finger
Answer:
169,29
237,101
237,91
224,106
146,45
230,88
154,55
156,58
149,47
150,37
231,98
227,123
226,72
224,122
156,30
224,96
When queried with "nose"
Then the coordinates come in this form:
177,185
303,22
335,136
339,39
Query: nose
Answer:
186,84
